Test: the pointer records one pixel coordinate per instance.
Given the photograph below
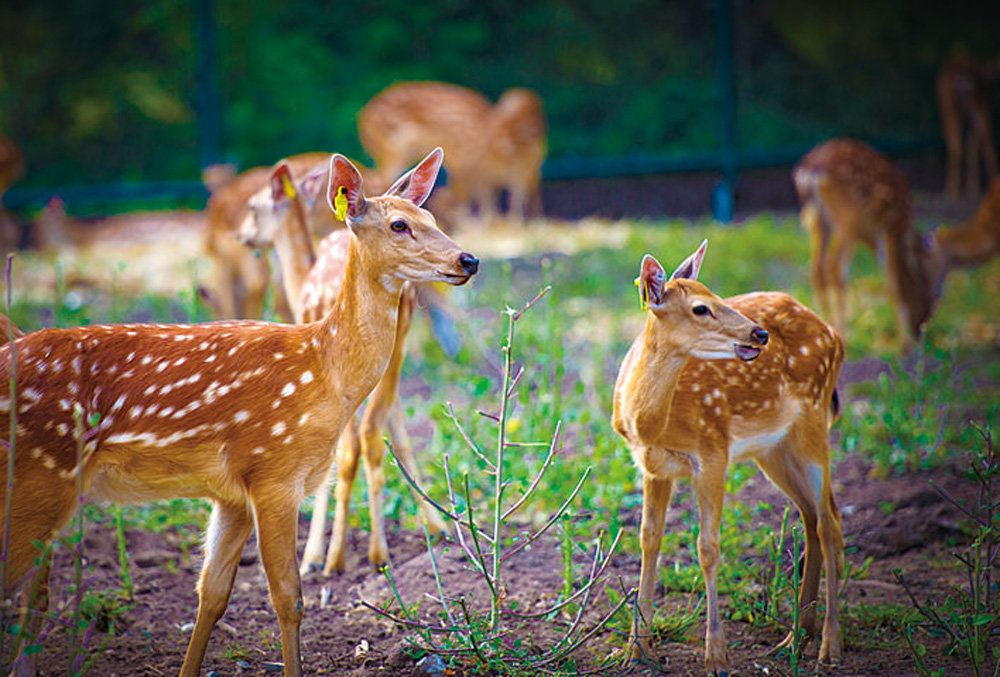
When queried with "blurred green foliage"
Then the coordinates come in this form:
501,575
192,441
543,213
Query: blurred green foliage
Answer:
98,90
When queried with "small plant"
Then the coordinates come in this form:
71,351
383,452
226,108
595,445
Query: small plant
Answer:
492,640
970,619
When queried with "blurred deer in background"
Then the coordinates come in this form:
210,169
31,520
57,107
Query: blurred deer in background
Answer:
243,413
490,147
850,193
11,169
963,106
241,277
687,408
312,280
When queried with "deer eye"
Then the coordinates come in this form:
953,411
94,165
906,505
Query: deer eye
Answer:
399,226
700,310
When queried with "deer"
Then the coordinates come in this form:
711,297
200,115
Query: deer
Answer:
241,278
961,88
849,193
244,413
490,147
277,217
11,169
709,382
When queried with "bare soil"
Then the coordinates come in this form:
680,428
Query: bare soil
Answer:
900,522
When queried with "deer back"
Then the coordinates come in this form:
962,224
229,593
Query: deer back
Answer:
731,403
173,410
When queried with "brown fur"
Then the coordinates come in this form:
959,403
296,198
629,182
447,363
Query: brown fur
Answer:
684,416
961,88
242,413
490,147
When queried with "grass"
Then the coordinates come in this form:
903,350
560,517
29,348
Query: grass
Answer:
914,416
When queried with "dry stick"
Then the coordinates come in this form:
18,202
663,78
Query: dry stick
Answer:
556,515
538,477
472,445
10,467
591,582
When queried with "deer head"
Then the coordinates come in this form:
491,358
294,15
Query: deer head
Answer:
690,316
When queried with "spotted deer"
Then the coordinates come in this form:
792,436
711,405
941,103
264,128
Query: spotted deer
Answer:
687,408
277,218
849,193
243,413
961,87
490,147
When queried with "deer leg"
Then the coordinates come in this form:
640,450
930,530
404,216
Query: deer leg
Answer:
276,517
312,555
710,489
656,492
973,145
348,453
805,479
952,129
228,529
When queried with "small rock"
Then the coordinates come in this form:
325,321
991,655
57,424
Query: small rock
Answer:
432,665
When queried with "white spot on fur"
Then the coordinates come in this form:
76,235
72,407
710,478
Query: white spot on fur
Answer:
278,428
307,376
288,389
241,416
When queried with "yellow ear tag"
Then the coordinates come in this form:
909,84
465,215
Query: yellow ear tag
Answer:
340,203
643,301
286,183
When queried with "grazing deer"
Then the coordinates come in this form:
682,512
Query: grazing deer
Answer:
490,147
243,413
961,88
277,218
686,408
851,193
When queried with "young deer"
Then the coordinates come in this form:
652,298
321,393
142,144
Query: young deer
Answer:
243,413
490,147
277,218
686,408
850,192
963,104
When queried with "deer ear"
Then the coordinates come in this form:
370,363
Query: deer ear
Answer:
282,187
344,193
416,185
313,183
688,270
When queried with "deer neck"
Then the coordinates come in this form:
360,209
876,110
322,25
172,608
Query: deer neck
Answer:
918,269
357,334
294,248
659,363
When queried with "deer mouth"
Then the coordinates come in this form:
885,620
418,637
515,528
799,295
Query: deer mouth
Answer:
453,279
745,352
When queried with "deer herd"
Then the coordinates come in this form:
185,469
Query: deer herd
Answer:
255,416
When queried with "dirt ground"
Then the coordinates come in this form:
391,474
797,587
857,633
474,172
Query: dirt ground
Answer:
342,637
918,536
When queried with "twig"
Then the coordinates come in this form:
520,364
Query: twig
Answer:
523,544
548,459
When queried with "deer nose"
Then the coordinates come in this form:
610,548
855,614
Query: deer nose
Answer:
469,262
759,335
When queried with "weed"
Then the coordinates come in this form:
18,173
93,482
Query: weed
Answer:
494,641
970,619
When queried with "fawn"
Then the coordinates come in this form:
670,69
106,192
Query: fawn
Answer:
277,218
686,408
850,192
963,105
490,147
243,413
